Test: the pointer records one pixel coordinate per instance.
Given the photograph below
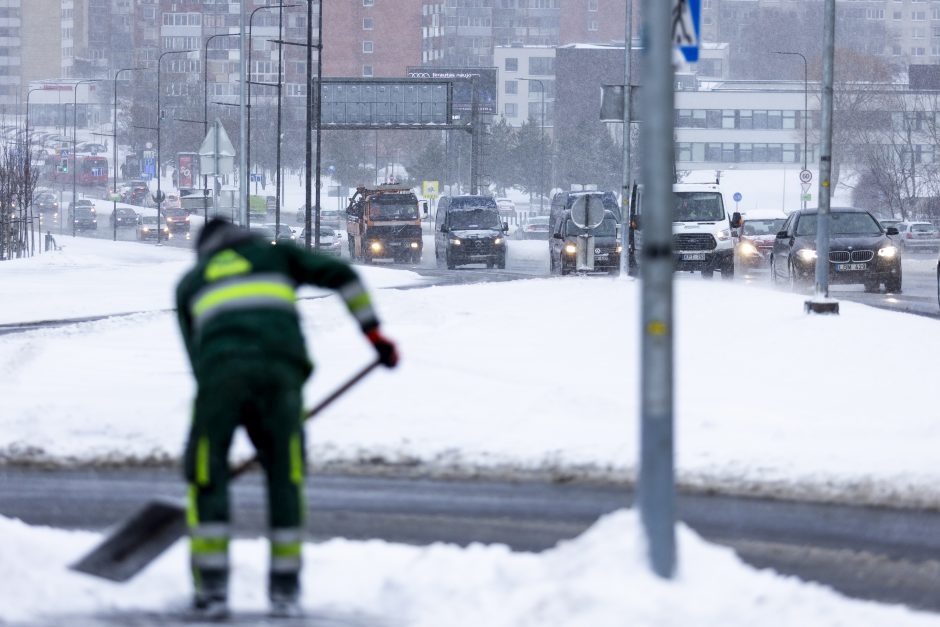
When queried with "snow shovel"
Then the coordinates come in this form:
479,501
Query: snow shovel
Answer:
160,523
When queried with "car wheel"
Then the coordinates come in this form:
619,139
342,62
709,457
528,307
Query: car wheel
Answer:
450,263
872,286
708,274
773,272
501,264
490,263
893,285
796,284
727,272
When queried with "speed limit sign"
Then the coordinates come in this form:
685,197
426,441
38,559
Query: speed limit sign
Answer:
806,176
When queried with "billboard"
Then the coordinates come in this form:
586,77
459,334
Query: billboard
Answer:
186,172
462,78
377,102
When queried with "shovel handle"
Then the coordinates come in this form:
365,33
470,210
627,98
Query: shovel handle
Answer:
326,402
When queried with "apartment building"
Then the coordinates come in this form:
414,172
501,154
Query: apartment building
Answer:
523,71
372,38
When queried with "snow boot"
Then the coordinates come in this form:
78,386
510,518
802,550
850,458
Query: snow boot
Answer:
211,599
284,594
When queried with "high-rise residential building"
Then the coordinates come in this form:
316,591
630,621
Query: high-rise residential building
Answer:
523,71
367,38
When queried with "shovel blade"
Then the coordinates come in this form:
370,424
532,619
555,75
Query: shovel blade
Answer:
136,543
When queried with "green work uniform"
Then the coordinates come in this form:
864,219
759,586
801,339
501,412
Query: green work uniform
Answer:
238,318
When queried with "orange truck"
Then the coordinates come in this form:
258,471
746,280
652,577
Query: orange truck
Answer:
384,222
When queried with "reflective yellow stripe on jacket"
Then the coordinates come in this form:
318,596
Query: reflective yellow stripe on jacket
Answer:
257,291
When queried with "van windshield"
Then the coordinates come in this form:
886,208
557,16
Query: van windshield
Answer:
474,219
607,228
698,207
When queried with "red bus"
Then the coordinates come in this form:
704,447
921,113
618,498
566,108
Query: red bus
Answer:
92,170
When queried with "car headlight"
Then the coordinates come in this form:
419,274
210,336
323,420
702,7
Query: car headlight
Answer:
455,242
571,249
375,246
807,254
748,249
169,220
619,249
888,252
723,234
146,230
413,245
498,241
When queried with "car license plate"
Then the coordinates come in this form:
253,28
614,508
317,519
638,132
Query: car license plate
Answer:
693,257
851,267
604,256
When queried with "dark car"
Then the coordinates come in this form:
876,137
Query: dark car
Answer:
563,245
859,251
125,216
469,230
147,228
177,219
83,215
46,202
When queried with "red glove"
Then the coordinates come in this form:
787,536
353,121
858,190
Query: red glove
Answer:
388,354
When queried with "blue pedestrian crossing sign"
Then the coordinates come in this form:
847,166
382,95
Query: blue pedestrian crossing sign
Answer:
686,27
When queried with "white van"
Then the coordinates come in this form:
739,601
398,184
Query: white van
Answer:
702,230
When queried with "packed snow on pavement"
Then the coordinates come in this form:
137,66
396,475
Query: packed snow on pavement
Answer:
599,579
526,378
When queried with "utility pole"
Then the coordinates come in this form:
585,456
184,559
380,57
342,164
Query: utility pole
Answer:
656,490
243,117
627,163
308,120
319,117
820,302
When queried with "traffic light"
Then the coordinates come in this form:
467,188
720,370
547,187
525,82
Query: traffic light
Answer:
64,165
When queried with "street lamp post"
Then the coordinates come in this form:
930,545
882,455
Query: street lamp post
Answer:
114,152
75,144
28,163
251,18
205,116
159,198
541,143
805,106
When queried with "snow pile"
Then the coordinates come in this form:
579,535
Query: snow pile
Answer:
599,579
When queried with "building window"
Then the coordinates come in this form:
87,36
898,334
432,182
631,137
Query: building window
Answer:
368,23
512,64
542,66
512,87
367,71
592,5
367,47
368,3
510,109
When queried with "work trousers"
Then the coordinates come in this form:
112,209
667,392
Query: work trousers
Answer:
266,399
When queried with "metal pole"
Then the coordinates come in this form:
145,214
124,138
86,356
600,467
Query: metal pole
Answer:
277,149
29,158
805,108
114,151
243,119
819,304
656,489
74,144
308,123
541,141
319,117
627,116
158,165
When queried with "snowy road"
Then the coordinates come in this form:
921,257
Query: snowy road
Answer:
882,554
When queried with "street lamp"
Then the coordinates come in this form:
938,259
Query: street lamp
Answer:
805,105
115,151
159,124
205,115
75,144
251,18
541,142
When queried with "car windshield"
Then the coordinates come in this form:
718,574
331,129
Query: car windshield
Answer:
263,231
394,207
538,222
761,227
149,220
483,218
698,207
607,228
841,223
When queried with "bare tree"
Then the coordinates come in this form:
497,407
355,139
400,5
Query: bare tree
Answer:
17,186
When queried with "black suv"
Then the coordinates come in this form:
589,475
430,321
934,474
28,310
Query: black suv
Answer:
563,245
859,251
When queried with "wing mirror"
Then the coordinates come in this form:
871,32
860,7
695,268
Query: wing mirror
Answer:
892,230
557,236
782,235
424,208
736,220
443,228
505,227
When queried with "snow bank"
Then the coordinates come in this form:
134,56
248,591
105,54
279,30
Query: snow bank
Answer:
599,579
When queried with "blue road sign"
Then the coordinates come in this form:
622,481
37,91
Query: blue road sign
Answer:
686,27
737,197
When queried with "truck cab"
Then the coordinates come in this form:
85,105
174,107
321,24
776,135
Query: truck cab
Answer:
384,222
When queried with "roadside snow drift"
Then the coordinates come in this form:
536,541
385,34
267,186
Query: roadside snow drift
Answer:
599,579
535,377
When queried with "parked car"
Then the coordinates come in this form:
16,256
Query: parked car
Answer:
859,251
919,236
756,239
147,228
535,227
563,245
177,220
125,216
